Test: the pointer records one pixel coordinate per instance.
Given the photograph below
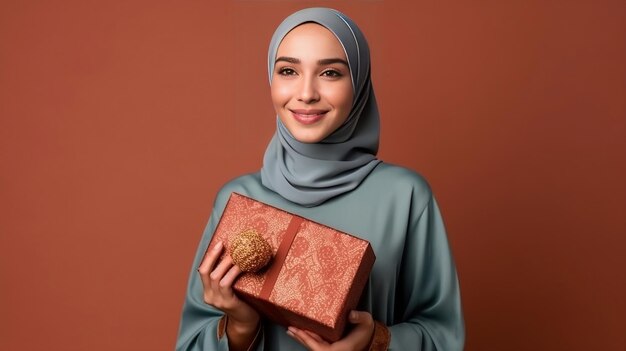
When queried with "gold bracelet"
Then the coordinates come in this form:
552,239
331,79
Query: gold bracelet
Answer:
381,337
221,327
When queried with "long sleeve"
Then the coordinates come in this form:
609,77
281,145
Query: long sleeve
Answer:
413,288
429,293
199,323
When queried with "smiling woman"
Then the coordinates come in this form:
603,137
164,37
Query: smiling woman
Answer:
311,84
321,164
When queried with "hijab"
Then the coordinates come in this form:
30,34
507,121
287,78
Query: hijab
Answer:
312,173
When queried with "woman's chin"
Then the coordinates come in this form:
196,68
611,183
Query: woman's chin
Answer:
308,139
307,134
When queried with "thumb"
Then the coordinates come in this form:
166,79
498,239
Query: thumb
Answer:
358,317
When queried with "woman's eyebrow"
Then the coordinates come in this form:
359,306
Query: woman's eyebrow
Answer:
330,61
287,59
321,62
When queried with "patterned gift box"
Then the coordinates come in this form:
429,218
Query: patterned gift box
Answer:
317,273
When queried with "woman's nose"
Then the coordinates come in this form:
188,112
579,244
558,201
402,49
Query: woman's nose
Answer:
308,90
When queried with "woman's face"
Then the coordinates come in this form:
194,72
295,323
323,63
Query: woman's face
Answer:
311,84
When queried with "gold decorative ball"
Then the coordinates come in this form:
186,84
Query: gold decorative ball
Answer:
250,251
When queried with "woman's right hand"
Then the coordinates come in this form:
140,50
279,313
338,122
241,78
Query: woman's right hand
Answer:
217,279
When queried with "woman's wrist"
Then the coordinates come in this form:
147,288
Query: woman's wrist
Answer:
380,338
242,335
242,327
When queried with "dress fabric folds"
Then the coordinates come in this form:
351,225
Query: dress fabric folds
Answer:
413,287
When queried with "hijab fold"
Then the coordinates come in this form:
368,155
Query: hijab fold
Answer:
312,173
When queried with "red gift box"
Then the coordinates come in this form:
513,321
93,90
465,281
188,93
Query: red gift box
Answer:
317,273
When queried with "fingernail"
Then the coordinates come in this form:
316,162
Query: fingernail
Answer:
218,246
353,315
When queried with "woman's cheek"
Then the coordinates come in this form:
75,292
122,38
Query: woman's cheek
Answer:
281,92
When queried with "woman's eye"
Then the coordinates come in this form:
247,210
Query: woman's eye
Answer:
286,72
331,73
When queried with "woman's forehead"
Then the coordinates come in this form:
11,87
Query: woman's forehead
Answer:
311,38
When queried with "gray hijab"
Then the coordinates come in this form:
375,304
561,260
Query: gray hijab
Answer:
309,174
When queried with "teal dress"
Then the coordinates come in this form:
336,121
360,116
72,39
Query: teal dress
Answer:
413,287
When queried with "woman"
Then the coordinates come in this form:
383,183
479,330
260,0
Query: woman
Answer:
321,164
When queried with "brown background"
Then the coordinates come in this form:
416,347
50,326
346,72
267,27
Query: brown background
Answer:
120,120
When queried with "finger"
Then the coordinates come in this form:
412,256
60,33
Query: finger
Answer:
208,262
210,257
362,332
306,339
218,273
317,338
360,317
295,333
291,332
230,276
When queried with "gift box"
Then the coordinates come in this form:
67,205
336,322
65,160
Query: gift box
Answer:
315,275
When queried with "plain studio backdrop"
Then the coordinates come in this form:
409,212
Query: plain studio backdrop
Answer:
120,120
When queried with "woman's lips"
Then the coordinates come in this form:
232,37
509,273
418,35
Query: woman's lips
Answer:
308,116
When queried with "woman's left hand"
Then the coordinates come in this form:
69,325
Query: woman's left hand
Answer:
357,340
